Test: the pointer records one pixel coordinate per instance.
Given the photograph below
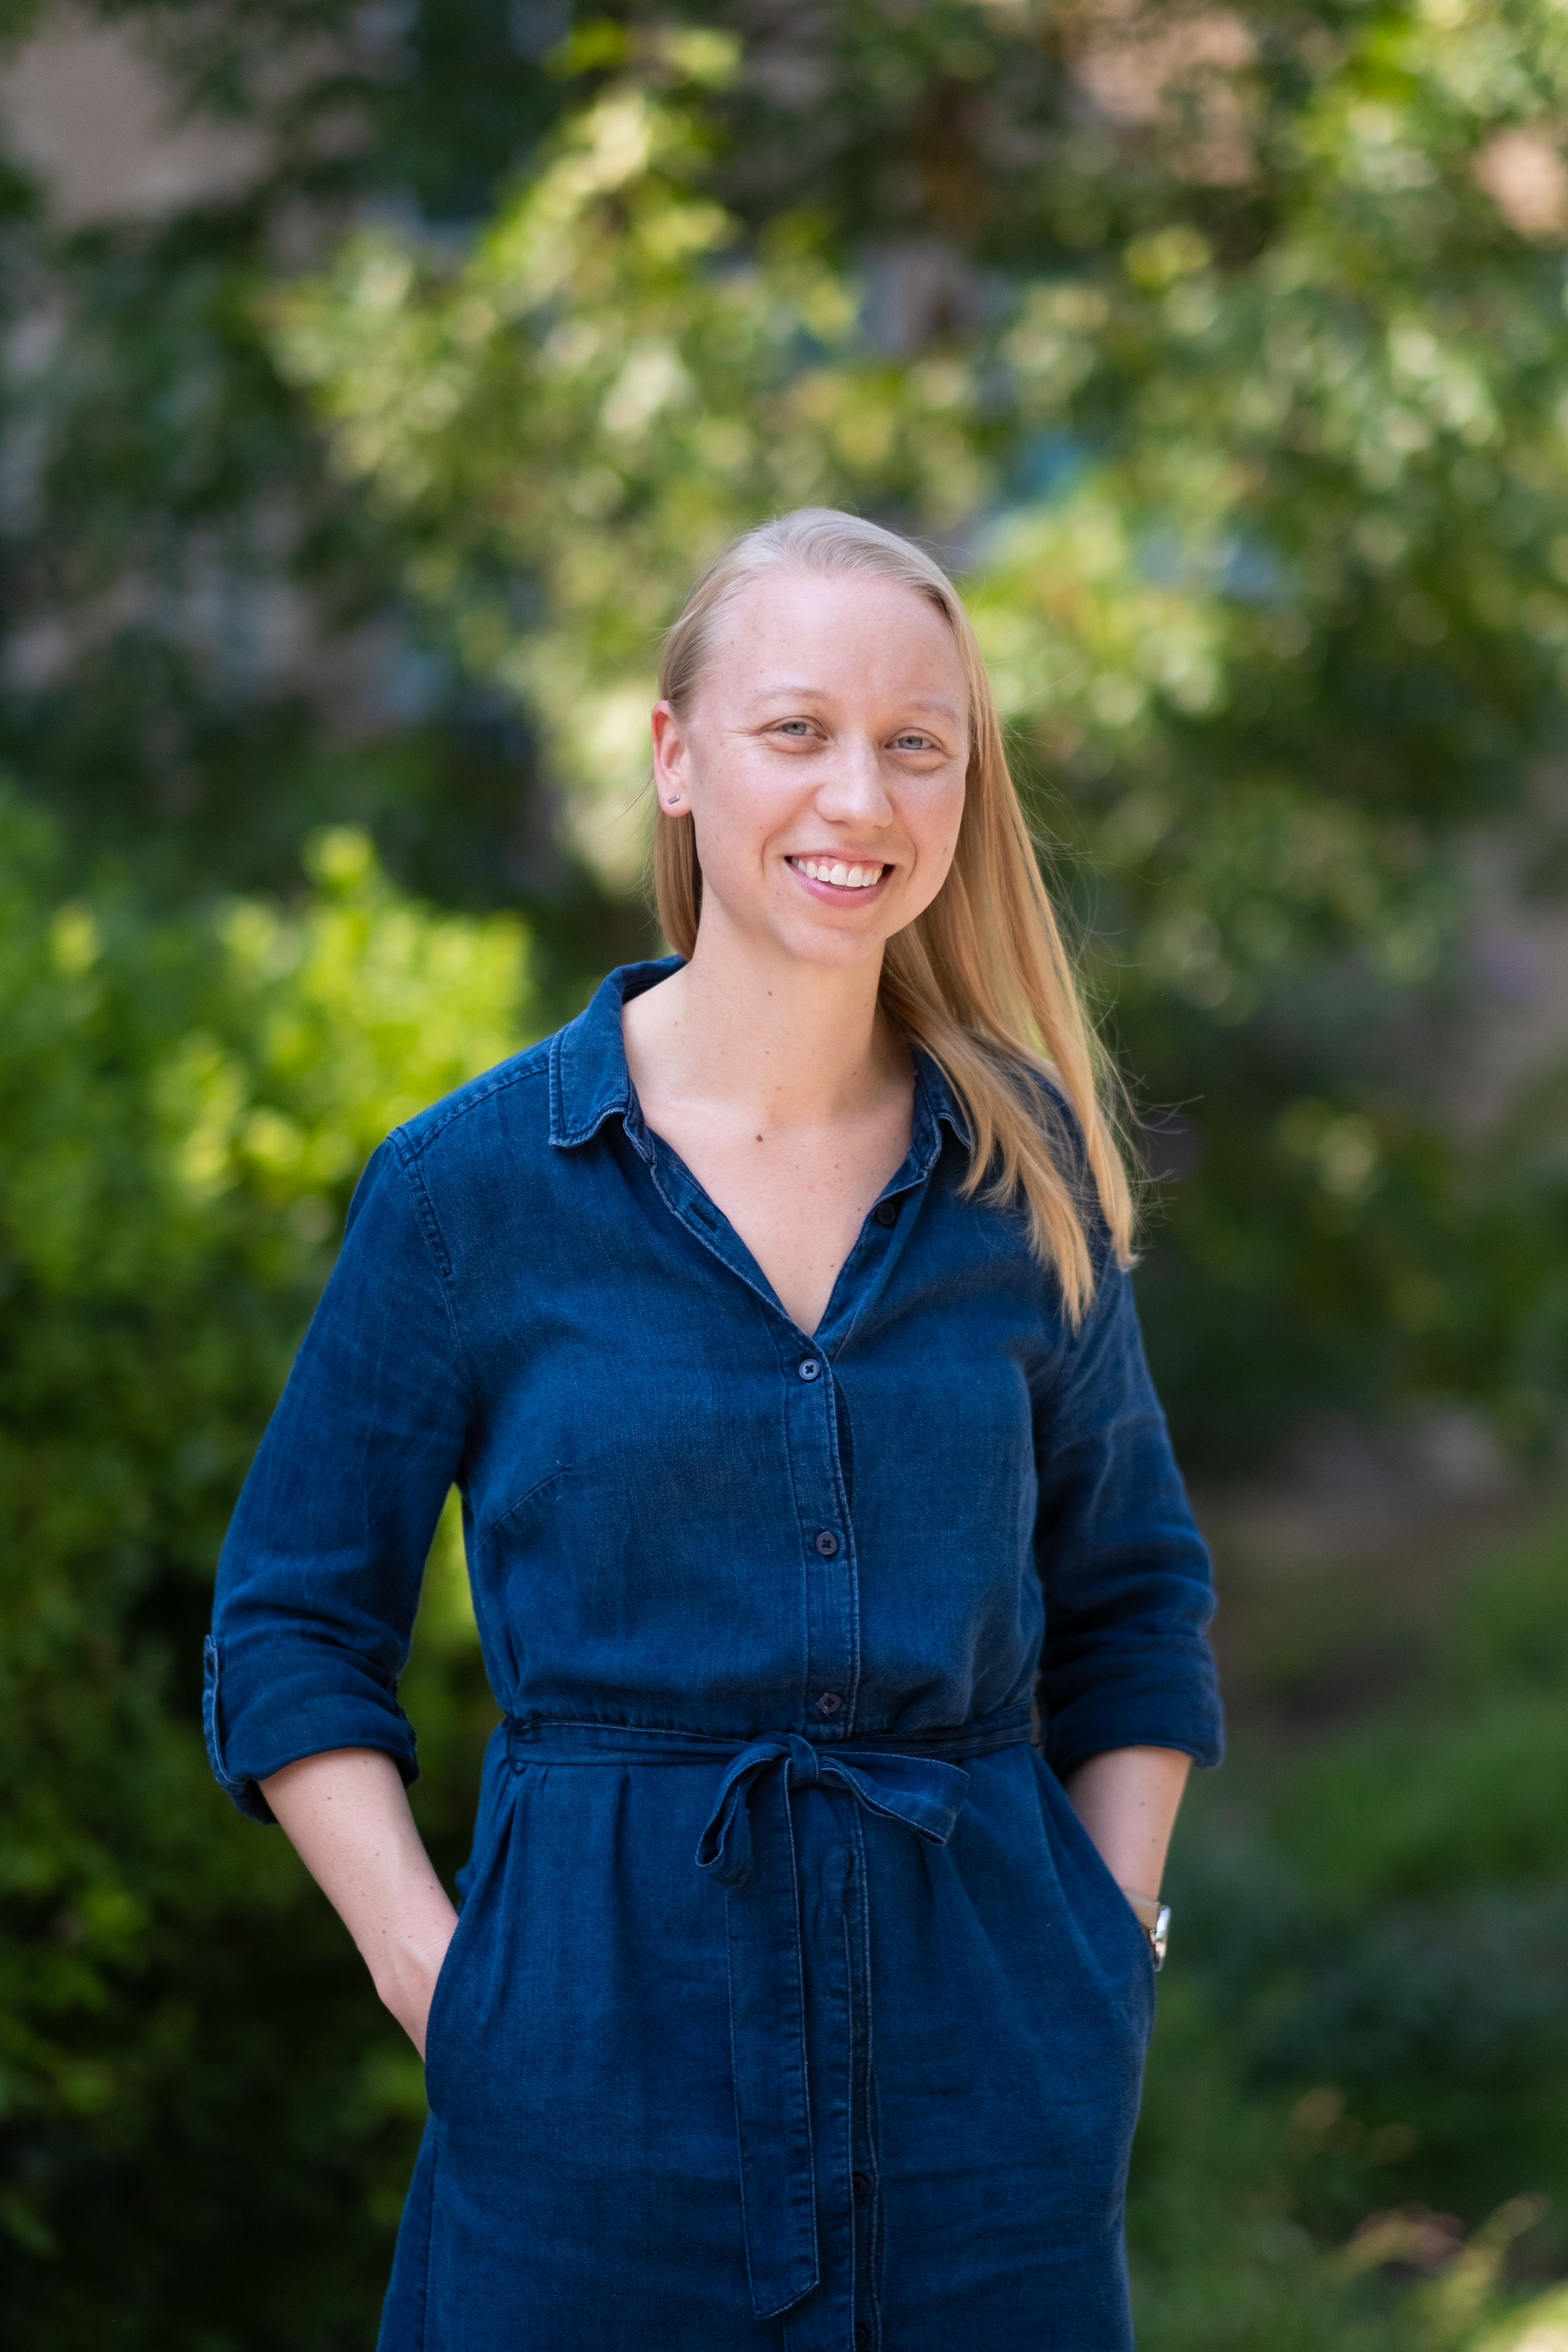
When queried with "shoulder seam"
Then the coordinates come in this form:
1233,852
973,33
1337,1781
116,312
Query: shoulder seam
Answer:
477,1091
425,1207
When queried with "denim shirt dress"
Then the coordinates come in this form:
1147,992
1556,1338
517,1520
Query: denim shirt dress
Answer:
789,2007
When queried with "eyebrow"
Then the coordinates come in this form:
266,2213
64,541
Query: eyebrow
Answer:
792,690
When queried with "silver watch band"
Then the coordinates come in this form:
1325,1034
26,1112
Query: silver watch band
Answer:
1153,1917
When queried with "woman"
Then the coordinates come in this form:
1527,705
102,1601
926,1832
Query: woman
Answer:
773,1320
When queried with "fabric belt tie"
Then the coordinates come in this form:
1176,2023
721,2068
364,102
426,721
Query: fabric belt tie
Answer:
749,1847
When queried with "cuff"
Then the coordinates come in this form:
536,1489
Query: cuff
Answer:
1100,1721
291,1700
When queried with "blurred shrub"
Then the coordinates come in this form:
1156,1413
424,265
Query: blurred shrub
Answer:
1354,2125
189,2069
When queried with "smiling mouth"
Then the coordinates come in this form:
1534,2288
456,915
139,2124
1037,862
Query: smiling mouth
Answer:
838,874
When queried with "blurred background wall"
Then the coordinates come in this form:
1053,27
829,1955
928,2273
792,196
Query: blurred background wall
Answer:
374,377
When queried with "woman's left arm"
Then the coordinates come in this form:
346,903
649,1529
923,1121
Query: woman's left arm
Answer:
1126,1686
1127,1799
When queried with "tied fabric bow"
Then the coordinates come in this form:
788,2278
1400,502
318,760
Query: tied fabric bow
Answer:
749,1846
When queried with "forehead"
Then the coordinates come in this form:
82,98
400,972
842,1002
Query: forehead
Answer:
789,629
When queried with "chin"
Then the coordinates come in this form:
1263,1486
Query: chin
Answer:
834,951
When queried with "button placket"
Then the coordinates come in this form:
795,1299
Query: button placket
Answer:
811,1408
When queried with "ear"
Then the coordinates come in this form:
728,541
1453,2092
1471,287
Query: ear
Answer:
671,760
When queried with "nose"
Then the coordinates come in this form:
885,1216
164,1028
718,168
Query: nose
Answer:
853,791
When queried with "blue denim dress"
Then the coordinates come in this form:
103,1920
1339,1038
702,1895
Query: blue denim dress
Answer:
790,2008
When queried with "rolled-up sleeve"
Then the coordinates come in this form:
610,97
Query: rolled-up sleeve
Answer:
1127,1577
320,1575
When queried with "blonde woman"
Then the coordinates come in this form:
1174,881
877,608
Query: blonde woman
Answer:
773,1320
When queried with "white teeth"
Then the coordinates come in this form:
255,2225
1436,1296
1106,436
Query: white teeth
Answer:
844,878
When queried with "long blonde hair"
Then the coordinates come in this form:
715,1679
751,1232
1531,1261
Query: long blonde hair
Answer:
981,979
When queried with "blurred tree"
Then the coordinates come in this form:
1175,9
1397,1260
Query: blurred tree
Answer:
1258,481
1222,350
209,651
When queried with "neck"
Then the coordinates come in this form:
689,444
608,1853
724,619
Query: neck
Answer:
791,1044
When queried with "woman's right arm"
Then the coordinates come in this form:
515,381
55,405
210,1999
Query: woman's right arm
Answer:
346,1814
319,1581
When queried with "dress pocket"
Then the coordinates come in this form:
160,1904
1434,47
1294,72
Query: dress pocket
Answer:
448,2004
440,2001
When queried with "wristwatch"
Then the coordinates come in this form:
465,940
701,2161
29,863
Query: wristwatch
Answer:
1153,1917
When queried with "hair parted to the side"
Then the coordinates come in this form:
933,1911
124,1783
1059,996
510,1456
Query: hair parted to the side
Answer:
982,979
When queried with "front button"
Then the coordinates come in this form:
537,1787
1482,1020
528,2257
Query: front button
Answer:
828,1703
810,1369
863,2334
827,1542
861,2185
885,1212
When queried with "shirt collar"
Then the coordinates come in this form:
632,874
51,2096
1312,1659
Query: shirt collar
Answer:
934,1104
590,1081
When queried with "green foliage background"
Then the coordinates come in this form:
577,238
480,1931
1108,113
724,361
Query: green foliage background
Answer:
186,1104
1225,355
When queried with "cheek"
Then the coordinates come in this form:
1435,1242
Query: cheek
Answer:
944,821
734,813
936,843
